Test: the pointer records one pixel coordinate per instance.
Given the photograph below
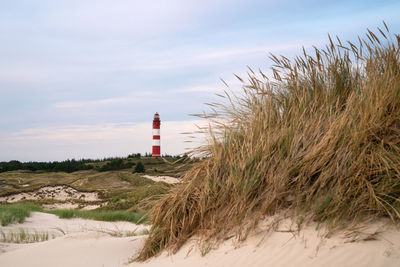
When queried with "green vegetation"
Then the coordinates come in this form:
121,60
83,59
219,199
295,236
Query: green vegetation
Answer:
106,164
139,168
320,141
139,198
63,166
23,236
107,183
116,164
135,155
101,215
16,213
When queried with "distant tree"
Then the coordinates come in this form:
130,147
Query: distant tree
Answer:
55,166
134,155
139,167
116,164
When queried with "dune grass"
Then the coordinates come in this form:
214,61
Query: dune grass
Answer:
23,236
101,215
16,213
319,140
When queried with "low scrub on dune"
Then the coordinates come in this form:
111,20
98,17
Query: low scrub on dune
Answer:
16,213
320,140
101,215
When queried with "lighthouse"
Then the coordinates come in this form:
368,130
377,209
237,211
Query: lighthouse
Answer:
156,151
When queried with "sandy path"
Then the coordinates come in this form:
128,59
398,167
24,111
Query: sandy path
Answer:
166,179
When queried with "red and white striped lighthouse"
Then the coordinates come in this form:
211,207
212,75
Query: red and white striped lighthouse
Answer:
156,137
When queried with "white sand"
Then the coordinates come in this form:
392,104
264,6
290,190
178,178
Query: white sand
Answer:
68,205
43,222
166,179
79,242
279,248
79,249
285,249
62,193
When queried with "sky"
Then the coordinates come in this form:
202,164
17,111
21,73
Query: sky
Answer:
83,78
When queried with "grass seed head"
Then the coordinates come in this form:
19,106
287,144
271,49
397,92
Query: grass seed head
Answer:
320,141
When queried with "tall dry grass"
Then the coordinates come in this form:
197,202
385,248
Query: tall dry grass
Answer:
321,140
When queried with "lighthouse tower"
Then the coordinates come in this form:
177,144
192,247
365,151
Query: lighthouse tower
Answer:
156,151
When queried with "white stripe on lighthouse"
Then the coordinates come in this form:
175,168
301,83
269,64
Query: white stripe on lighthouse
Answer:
156,131
156,142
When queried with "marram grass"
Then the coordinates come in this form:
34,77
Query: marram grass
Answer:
100,215
319,140
16,213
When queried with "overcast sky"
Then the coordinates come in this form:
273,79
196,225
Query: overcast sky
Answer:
83,78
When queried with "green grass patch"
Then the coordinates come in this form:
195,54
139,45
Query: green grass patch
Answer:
101,215
16,213
23,236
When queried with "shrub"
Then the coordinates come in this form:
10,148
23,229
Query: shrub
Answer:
134,155
55,166
139,168
116,164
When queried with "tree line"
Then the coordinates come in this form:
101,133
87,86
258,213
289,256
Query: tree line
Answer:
55,166
72,165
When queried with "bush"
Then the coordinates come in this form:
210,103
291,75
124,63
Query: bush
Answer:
139,168
55,166
116,164
134,155
321,141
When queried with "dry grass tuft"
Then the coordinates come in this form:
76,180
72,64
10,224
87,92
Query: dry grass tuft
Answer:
320,140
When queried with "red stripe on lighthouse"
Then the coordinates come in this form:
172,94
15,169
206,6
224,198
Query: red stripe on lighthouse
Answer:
156,150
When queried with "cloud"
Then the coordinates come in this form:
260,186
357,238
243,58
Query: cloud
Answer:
95,103
95,141
121,18
137,97
229,53
196,89
206,56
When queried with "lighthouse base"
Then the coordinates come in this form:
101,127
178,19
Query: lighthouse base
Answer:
156,152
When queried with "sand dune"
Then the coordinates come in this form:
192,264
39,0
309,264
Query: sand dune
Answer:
166,179
77,242
285,249
54,192
89,243
43,222
77,249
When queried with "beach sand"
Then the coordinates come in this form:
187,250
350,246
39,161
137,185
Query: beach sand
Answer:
88,243
73,242
166,179
60,192
284,248
77,249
